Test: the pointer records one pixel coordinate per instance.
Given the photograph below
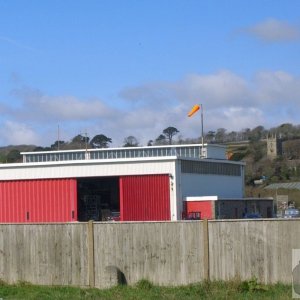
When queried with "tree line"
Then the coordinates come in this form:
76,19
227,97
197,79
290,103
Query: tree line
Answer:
102,141
167,137
170,135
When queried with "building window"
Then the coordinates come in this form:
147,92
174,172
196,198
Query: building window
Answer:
213,168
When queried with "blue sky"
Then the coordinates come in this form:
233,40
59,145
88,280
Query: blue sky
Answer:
135,67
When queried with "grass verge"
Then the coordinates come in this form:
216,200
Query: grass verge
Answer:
146,290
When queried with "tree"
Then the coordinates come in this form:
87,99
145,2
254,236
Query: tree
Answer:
160,140
150,143
291,149
285,130
257,149
210,136
79,141
2,158
57,145
220,135
100,141
169,133
130,141
246,133
257,133
13,156
39,149
232,136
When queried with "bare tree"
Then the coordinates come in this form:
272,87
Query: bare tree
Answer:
220,135
130,141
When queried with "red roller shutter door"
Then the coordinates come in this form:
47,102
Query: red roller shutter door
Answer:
145,198
204,207
53,200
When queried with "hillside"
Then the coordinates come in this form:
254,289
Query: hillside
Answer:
9,154
283,168
21,148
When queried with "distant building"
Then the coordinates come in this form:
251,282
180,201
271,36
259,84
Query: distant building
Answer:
274,147
214,207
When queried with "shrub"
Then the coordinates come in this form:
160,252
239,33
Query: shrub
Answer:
144,284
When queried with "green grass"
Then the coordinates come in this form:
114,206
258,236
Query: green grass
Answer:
146,290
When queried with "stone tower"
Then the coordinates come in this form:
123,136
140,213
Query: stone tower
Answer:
274,147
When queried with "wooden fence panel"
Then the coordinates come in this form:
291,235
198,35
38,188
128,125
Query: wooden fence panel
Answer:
46,254
166,253
253,248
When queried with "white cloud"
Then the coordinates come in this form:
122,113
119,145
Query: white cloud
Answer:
241,117
272,30
147,93
277,88
40,106
14,133
222,88
229,100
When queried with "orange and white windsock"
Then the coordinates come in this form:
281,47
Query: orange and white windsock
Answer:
194,109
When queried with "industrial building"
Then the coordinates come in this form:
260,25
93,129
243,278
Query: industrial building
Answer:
213,207
141,183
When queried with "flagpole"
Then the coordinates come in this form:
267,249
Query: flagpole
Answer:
194,110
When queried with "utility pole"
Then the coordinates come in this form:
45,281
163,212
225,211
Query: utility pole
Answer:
58,137
87,156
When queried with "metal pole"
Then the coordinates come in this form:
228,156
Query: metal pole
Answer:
86,145
57,137
202,135
86,140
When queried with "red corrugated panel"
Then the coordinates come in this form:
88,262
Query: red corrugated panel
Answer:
145,198
53,200
204,207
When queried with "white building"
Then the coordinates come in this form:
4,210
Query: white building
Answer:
142,183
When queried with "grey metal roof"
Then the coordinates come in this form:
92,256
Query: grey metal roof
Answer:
285,185
190,151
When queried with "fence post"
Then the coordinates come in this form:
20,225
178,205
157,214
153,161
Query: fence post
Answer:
206,250
91,260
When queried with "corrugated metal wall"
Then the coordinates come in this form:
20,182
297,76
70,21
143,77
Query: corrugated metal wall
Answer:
53,200
145,198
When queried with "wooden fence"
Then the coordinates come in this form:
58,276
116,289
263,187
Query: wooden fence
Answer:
166,253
